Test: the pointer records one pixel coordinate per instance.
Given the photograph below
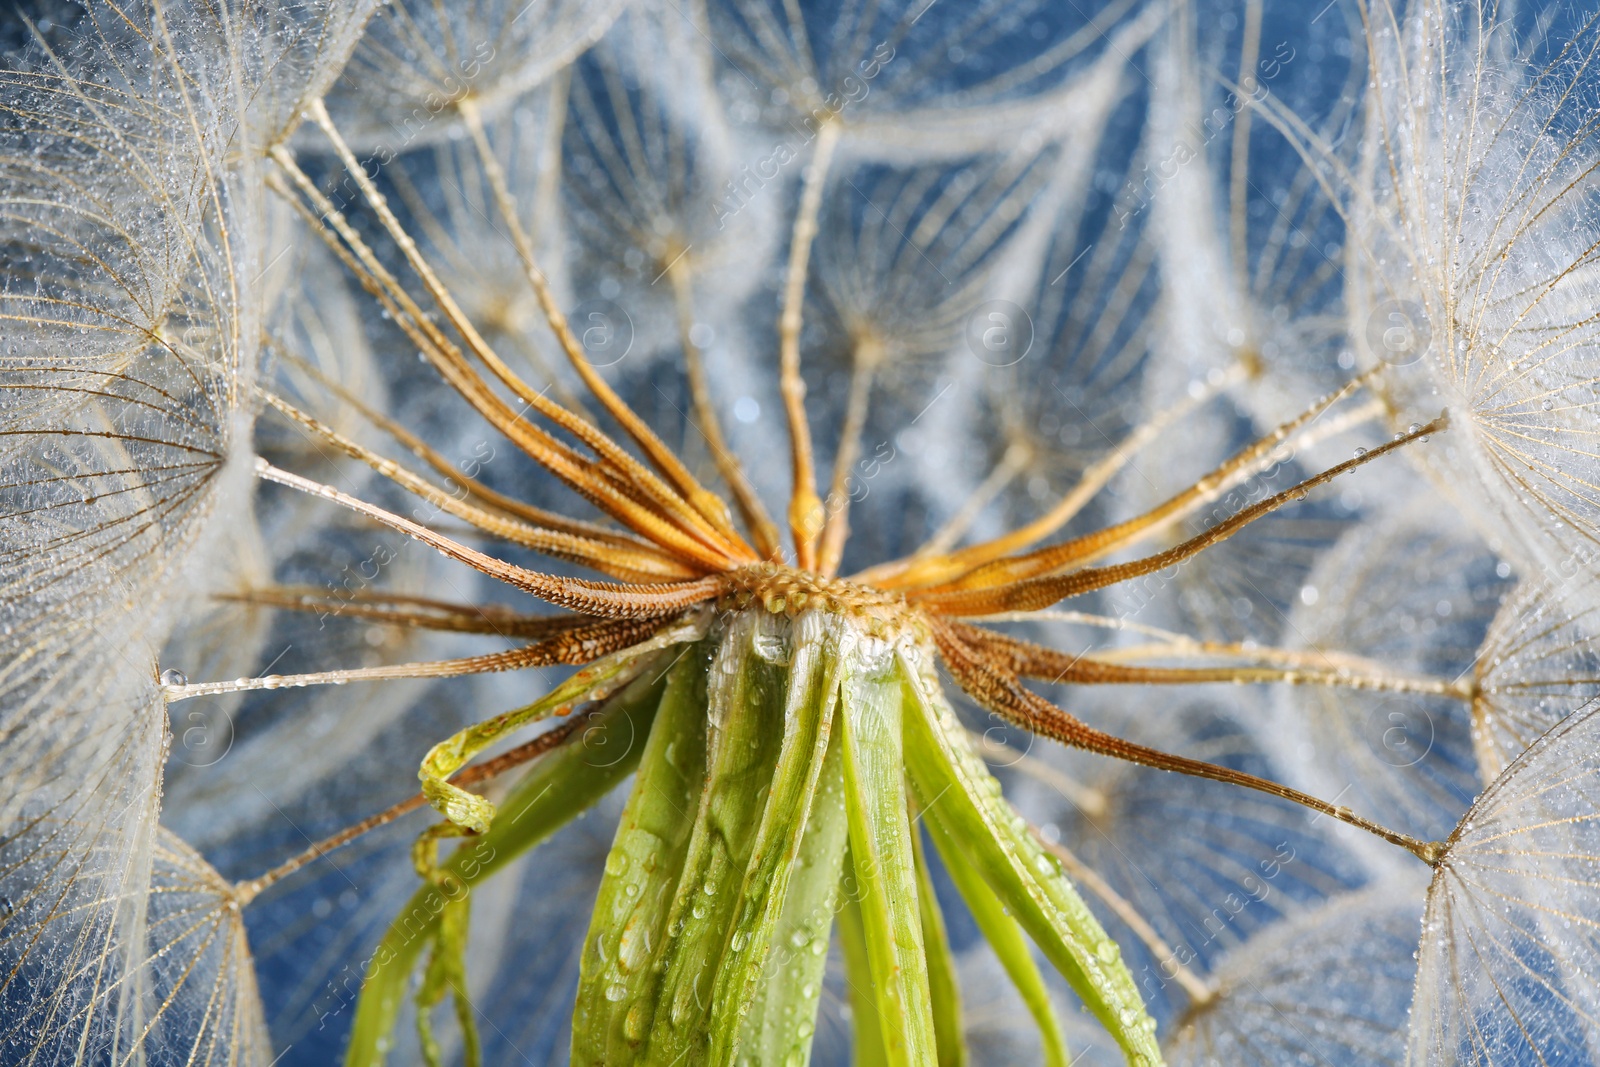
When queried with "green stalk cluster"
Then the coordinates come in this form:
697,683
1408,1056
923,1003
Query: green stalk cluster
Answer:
786,771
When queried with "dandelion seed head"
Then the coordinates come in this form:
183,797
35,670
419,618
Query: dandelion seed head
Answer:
921,448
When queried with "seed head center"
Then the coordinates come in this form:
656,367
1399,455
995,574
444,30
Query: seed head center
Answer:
786,591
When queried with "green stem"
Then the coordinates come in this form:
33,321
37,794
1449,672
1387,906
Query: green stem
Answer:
558,788
942,988
973,824
753,951
1011,946
886,882
866,1027
617,983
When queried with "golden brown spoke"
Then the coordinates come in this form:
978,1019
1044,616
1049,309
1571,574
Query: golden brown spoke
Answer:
377,280
432,457
1196,988
634,507
1089,670
927,569
603,599
438,232
1368,673
576,646
245,892
762,529
620,498
1169,644
641,564
657,491
1103,622
864,362
414,612
1035,593
1097,545
708,504
1029,660
989,683
806,516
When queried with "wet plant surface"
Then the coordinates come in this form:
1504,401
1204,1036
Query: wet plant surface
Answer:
756,533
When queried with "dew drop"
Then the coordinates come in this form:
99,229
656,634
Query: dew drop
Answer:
173,676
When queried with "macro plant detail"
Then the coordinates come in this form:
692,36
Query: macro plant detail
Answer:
746,533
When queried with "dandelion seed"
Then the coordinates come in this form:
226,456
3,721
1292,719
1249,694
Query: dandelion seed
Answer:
1513,874
1513,346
